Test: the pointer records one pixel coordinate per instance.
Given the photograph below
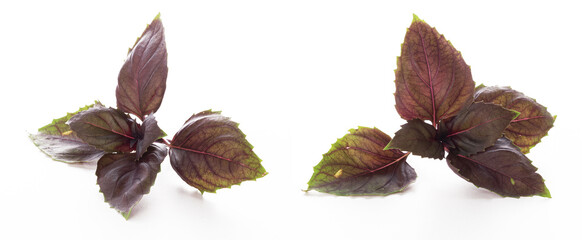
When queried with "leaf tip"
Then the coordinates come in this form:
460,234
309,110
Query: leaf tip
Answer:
388,147
125,215
546,193
515,114
416,18
158,16
31,136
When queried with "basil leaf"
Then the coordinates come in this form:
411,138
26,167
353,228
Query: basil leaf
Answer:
107,129
148,133
59,126
210,152
123,180
419,138
433,82
142,79
61,144
501,168
530,126
475,128
66,149
357,165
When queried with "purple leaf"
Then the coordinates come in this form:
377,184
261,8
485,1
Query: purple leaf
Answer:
148,132
475,128
433,82
501,168
357,165
68,149
123,180
419,138
61,144
210,152
530,126
142,79
107,129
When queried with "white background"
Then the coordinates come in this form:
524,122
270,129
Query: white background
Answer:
296,75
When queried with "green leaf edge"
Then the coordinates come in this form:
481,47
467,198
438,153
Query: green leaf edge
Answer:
515,115
388,147
68,116
545,194
127,214
315,168
262,169
158,18
236,184
31,137
359,195
415,18
55,121
164,134
529,148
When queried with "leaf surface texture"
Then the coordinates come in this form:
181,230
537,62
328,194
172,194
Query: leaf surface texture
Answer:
476,127
107,129
357,165
142,79
433,82
419,138
59,142
210,152
123,180
502,168
530,126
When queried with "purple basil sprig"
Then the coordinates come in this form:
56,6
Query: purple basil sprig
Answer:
209,152
484,131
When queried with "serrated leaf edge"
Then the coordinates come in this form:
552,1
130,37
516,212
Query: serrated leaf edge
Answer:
545,194
210,111
351,131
